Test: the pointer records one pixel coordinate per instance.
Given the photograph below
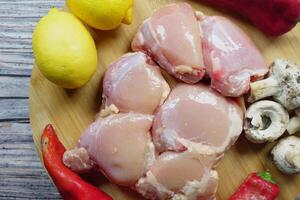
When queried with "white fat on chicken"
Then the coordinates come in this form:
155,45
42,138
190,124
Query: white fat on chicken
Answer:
197,118
180,176
230,57
119,145
171,37
126,79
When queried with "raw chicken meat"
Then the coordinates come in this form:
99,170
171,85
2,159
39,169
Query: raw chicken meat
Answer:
187,43
186,175
198,118
172,38
192,127
119,145
230,57
124,81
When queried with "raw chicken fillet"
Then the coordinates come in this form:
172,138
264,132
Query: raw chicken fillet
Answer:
231,59
196,117
124,81
119,145
187,175
171,37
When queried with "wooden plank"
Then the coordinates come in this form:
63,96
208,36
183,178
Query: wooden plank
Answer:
14,110
21,173
7,69
15,63
17,21
14,86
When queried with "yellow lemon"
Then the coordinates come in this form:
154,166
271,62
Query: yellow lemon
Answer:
64,50
102,14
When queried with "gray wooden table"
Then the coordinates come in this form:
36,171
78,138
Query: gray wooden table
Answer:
22,175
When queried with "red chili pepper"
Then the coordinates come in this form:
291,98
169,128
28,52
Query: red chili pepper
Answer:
273,17
257,186
70,185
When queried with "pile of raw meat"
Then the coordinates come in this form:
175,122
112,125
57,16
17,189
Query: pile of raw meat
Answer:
165,143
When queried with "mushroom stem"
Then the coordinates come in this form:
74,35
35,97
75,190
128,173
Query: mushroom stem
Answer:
263,88
293,158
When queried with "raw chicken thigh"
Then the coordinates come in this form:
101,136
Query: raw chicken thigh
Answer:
230,57
119,145
171,37
187,44
126,79
164,144
195,117
186,175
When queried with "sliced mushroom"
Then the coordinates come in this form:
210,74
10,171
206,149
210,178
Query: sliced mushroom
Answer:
286,155
283,84
265,121
294,123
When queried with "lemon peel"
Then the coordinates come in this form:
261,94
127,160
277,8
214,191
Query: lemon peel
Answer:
102,14
64,50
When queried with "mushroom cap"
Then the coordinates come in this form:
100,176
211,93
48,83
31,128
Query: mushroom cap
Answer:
265,121
288,76
283,150
294,123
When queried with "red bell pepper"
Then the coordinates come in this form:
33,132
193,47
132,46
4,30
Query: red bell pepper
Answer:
273,17
257,186
70,185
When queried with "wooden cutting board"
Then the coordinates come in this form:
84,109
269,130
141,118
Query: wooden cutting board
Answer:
71,111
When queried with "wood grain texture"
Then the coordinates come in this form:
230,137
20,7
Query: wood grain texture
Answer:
22,175
72,111
14,86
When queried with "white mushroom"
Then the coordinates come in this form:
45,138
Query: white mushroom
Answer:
286,155
294,123
283,84
265,121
